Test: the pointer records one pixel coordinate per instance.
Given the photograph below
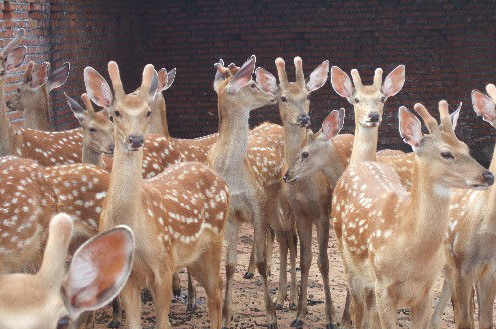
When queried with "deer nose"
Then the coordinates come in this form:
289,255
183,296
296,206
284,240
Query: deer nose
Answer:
303,119
285,177
136,141
374,117
488,177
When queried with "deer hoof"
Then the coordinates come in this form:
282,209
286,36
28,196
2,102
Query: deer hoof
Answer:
248,275
331,326
292,306
191,307
114,324
177,292
272,326
297,323
278,306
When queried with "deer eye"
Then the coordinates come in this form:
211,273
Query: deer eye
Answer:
92,129
356,100
63,322
383,99
117,113
148,114
284,99
253,85
447,155
304,155
111,119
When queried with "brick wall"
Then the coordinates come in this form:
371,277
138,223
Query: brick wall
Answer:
449,48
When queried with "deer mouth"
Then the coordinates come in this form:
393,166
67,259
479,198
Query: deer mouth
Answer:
371,124
289,179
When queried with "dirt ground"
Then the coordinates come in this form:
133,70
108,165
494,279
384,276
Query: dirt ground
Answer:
248,296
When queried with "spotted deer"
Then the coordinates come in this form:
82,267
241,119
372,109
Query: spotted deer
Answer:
33,94
309,200
54,298
177,217
391,240
470,258
254,193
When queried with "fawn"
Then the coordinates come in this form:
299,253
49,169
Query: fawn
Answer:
391,240
53,298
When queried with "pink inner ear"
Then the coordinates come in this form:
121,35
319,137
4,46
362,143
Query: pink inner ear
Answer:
484,105
162,79
341,82
97,88
266,80
330,126
410,127
394,81
39,76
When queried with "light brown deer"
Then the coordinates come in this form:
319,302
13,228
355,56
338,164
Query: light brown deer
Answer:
53,298
309,200
391,240
158,122
33,94
470,255
254,193
178,216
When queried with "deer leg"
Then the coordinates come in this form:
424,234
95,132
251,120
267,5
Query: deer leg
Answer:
386,308
282,292
486,294
305,233
292,243
207,271
346,319
191,294
251,265
441,305
131,298
268,251
461,300
162,295
176,284
419,314
231,236
116,313
323,263
260,234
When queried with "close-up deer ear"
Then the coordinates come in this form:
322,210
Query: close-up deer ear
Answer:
243,76
410,127
341,82
58,77
484,106
97,88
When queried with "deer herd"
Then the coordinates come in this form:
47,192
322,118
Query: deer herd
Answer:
130,205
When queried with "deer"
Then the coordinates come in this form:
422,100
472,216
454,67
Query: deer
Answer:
158,123
309,200
254,193
180,213
469,258
391,240
32,96
54,298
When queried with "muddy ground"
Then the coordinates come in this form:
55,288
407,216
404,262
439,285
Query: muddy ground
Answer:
248,297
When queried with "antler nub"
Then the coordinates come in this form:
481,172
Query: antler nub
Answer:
281,72
357,81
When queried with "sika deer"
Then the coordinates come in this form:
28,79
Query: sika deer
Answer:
391,240
158,122
254,194
53,298
309,200
33,95
178,216
470,255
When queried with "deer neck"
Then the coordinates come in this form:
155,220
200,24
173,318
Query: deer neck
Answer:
365,143
165,124
232,144
427,220
91,156
490,193
124,194
294,137
37,115
6,130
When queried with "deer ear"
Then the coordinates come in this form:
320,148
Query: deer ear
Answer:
410,127
97,88
99,270
15,58
318,77
394,81
341,82
455,115
77,109
58,77
162,79
171,75
332,124
39,75
243,76
266,81
154,86
484,106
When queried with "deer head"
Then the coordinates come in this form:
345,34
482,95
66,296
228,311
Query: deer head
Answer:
315,154
35,79
98,130
130,113
448,158
293,97
368,101
54,298
238,90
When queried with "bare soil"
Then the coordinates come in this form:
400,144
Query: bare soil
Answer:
248,296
